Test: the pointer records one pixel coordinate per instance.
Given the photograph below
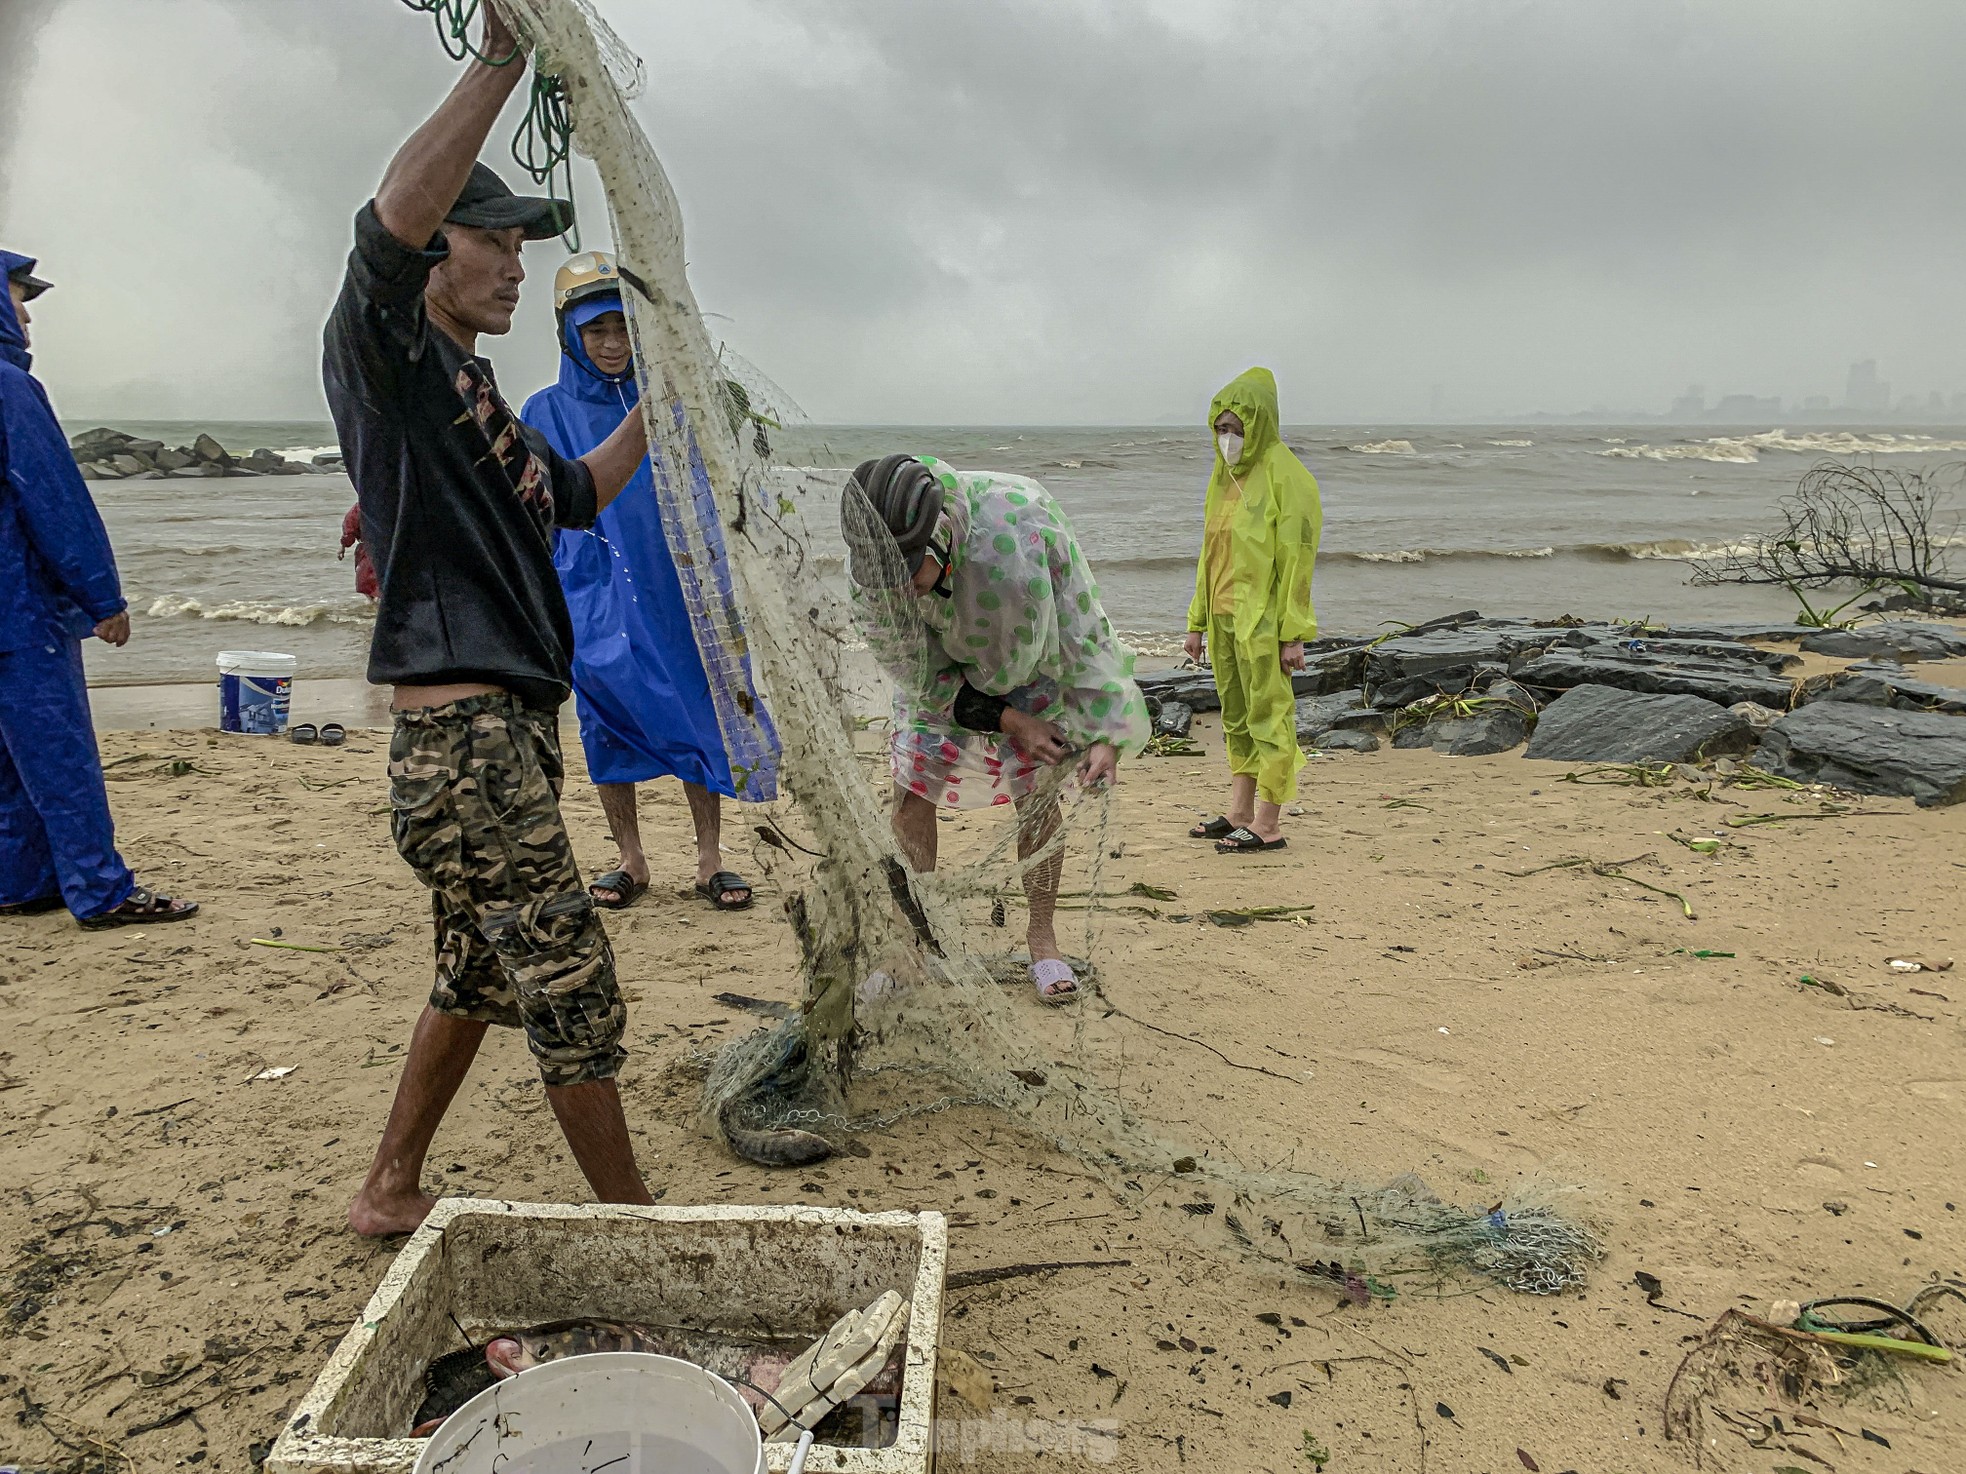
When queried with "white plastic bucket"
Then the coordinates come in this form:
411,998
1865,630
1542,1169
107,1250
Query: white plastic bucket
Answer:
255,688
628,1411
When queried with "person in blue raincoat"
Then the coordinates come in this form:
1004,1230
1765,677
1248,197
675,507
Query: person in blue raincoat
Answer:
58,586
646,706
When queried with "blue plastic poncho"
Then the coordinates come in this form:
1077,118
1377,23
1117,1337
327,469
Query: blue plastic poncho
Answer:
645,702
56,571
57,582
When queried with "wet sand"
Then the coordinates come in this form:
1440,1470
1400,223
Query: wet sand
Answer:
177,1265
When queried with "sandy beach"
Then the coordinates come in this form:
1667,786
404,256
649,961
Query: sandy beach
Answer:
173,1234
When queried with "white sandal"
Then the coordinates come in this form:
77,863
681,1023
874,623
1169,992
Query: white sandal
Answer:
1056,983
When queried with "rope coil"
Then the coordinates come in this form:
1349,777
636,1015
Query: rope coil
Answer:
542,145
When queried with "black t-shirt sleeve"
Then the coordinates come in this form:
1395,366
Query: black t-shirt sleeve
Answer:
574,498
378,323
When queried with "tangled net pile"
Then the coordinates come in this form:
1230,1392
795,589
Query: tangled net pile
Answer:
767,600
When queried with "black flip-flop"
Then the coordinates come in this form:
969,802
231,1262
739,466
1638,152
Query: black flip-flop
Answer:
626,888
713,889
1217,828
1247,842
39,906
306,734
141,908
333,734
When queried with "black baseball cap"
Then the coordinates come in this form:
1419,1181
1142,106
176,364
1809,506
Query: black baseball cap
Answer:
487,201
31,285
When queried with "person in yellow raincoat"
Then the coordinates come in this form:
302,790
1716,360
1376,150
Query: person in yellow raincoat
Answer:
1252,606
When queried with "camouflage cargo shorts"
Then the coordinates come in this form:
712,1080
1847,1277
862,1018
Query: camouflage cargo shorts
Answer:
474,789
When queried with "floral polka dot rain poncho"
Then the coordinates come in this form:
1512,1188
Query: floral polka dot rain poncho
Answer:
1021,619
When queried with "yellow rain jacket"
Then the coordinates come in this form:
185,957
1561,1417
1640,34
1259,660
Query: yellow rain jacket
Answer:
1273,532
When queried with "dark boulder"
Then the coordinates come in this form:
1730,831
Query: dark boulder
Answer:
208,449
1870,749
1320,714
1488,729
1758,717
1194,689
1334,667
1607,724
1924,601
1444,655
100,438
1561,670
1345,739
1729,630
1882,683
1712,652
1456,682
1173,719
1896,639
1329,665
1448,622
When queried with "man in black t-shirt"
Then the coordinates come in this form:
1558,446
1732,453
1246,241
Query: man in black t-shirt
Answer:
459,502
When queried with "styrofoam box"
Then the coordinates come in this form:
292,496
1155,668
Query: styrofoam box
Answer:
770,1272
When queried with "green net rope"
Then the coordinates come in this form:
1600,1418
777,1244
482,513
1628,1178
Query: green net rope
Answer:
543,142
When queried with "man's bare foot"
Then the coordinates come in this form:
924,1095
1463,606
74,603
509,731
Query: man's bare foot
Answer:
636,870
728,898
375,1216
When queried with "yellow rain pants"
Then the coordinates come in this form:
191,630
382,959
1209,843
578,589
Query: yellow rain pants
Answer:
1259,713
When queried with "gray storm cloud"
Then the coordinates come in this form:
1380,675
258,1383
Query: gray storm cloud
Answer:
1015,211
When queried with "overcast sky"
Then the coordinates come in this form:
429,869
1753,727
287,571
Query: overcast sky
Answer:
1014,211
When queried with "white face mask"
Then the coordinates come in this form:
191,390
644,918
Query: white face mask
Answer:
1231,448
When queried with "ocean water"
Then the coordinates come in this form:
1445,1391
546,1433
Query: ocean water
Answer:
1419,521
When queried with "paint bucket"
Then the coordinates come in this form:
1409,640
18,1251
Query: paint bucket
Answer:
625,1411
254,689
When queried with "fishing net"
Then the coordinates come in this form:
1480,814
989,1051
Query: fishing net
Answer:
902,1010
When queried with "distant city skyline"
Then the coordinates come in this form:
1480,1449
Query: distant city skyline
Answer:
1867,400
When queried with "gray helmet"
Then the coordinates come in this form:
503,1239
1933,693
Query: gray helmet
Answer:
906,500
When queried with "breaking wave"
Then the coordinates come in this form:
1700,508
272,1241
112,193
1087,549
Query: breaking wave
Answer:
1745,450
257,611
1383,448
1424,555
1667,547
1511,442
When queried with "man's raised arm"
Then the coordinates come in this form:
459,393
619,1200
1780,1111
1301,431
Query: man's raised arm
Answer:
424,179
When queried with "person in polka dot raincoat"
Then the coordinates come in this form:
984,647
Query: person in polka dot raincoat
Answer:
1021,669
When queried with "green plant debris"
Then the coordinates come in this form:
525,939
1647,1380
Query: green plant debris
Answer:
1445,704
1151,892
1699,952
1315,1453
1244,915
1744,821
1407,803
1626,775
135,757
1611,871
1168,745
291,946
1750,776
